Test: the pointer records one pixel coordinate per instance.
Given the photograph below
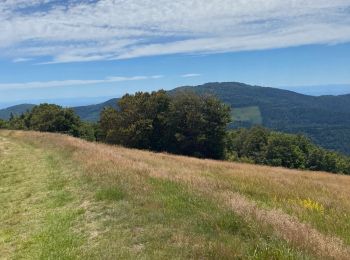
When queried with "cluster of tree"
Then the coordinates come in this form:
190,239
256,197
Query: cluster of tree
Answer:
3,124
183,123
51,118
262,146
325,119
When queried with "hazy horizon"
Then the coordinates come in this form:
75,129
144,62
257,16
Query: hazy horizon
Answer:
321,90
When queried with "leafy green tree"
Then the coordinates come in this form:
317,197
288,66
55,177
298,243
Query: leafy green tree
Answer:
53,118
139,122
248,145
285,150
323,160
18,122
184,124
255,144
347,166
86,131
108,126
262,146
197,125
3,124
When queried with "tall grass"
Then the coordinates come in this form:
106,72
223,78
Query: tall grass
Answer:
137,204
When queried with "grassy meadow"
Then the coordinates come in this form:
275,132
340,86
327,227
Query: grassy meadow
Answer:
250,114
65,198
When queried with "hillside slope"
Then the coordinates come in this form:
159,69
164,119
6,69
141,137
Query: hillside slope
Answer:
65,198
15,110
325,119
92,112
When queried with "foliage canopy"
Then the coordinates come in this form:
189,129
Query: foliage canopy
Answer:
184,123
262,146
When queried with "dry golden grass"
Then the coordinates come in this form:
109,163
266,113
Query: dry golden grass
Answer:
265,195
289,228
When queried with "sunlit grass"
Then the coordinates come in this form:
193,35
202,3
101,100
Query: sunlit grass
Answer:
107,202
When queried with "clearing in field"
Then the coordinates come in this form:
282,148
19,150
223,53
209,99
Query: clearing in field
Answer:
250,115
64,198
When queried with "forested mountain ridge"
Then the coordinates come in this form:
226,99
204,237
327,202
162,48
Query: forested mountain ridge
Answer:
15,110
325,119
92,112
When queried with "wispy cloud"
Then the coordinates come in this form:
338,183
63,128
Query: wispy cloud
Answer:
73,82
75,30
18,60
190,75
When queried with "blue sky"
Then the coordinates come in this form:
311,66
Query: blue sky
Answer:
64,50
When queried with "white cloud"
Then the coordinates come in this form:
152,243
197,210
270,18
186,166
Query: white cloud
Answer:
157,77
18,60
74,82
190,75
75,30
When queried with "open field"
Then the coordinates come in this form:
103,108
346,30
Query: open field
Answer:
250,115
64,198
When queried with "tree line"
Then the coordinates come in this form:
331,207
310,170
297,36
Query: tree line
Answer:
51,118
262,146
183,123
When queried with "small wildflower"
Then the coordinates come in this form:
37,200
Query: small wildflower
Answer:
312,205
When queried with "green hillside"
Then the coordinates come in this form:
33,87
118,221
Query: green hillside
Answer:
64,198
15,110
92,112
325,119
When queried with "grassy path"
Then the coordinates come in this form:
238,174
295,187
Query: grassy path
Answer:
63,198
38,205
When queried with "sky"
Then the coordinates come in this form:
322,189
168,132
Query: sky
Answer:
80,51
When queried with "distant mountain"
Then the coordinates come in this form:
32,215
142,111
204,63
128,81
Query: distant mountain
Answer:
321,90
15,110
92,112
87,113
325,119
